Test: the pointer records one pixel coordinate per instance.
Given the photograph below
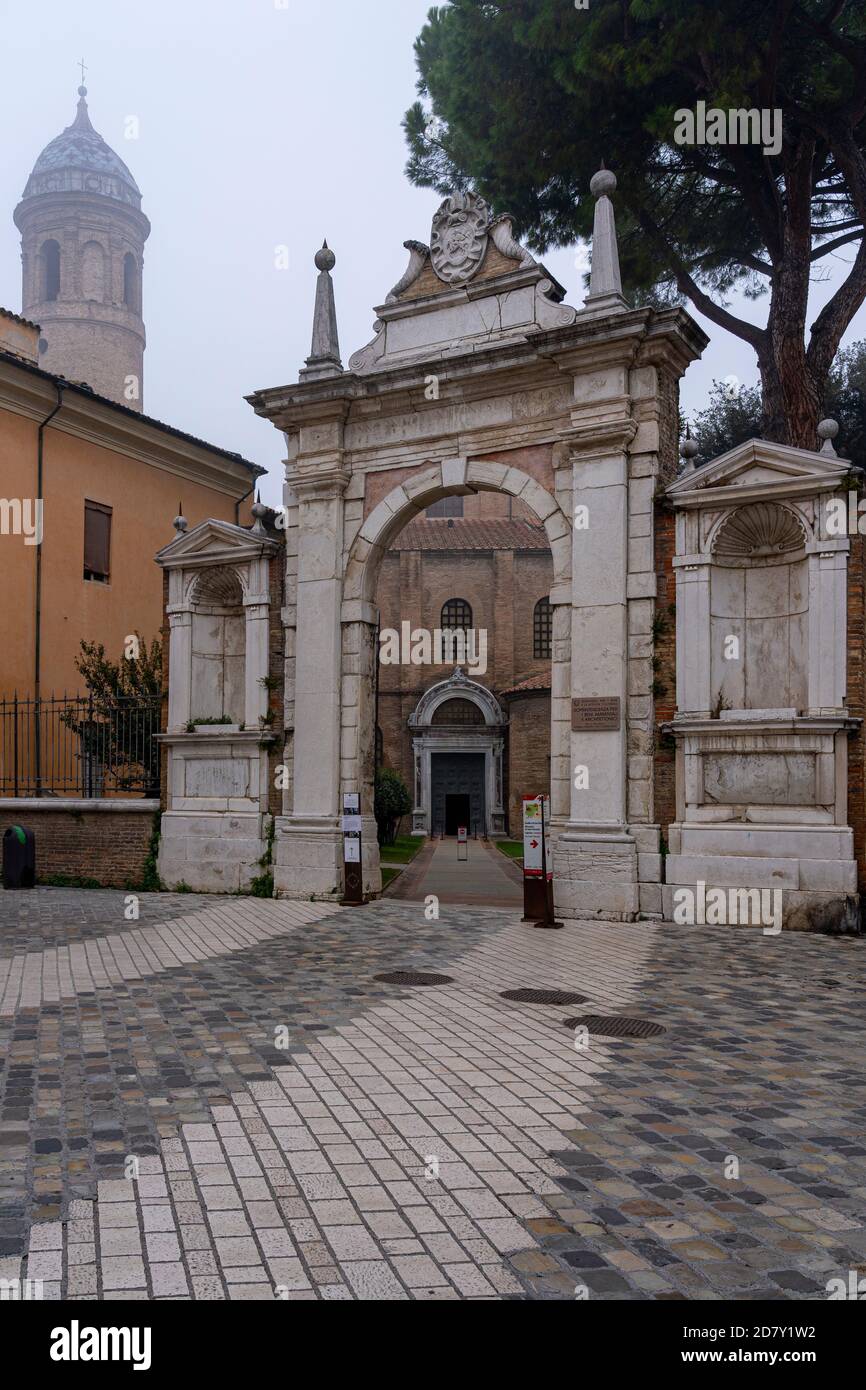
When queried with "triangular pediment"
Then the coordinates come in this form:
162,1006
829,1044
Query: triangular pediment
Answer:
759,468
214,542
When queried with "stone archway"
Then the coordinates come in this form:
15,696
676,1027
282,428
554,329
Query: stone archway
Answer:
479,377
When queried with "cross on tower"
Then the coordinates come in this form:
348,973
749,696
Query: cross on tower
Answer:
83,70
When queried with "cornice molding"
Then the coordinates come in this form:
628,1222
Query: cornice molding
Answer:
599,437
128,434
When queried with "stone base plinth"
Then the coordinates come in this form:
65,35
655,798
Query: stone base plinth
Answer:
595,874
308,857
812,867
211,851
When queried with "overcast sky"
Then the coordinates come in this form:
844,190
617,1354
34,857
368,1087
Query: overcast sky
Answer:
262,124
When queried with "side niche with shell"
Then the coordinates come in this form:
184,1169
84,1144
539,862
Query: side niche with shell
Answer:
757,532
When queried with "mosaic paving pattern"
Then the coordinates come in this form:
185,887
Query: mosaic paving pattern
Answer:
230,1106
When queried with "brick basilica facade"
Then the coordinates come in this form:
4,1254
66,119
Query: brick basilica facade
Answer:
469,747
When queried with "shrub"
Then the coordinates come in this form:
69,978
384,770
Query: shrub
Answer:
391,801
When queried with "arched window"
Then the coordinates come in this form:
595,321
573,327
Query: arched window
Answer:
130,283
457,712
542,630
50,255
456,614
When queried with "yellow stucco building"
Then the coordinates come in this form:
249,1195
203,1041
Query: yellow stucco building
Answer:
110,480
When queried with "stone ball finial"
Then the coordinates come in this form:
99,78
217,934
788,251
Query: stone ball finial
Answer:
828,430
602,183
180,524
325,259
689,447
82,91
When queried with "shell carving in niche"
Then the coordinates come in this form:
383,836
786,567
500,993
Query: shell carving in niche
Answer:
757,531
219,587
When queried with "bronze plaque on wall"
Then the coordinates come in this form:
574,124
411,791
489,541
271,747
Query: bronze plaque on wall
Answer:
596,714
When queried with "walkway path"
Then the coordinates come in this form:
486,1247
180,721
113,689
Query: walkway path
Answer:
484,878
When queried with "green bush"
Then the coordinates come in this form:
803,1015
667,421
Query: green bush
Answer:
391,801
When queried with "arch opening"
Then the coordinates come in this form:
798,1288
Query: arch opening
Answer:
49,270
444,723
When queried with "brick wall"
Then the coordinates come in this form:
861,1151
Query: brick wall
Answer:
502,588
106,841
665,674
528,769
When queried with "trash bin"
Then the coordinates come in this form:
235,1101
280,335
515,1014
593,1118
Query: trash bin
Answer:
19,858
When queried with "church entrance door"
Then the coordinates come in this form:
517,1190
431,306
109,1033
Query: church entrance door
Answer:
458,811
457,792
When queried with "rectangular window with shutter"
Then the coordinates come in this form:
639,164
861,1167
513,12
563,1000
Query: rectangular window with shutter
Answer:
97,542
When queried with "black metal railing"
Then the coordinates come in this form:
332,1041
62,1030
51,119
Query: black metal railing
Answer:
79,746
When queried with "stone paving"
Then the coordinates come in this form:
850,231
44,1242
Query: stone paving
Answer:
218,1100
485,877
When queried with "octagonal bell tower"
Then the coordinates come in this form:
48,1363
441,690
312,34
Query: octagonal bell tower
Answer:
82,251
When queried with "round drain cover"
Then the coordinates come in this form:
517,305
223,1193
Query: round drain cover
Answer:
412,977
616,1026
542,996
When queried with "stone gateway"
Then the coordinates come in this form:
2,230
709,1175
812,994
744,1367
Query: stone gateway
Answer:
574,413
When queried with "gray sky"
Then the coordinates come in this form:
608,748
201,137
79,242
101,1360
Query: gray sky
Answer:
263,123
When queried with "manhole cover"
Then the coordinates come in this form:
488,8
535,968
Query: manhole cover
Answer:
543,996
616,1026
412,977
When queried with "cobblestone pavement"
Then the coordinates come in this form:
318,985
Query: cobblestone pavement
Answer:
218,1100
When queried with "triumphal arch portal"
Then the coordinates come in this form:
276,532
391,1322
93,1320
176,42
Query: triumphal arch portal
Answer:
481,377
478,377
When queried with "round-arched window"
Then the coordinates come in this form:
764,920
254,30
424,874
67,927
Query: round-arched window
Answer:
50,270
457,712
456,614
130,283
542,630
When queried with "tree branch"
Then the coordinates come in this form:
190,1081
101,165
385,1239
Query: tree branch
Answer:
832,245
749,332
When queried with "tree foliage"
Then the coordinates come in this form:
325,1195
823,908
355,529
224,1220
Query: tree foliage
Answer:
522,99
391,801
117,722
732,417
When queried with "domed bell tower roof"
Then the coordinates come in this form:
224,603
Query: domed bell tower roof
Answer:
78,160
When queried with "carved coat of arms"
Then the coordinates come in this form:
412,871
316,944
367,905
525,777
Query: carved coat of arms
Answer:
459,237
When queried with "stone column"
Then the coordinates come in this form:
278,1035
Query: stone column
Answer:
256,612
596,859
308,851
828,625
694,627
179,665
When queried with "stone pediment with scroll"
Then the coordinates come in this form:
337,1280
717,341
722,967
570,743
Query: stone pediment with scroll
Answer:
474,285
215,543
758,470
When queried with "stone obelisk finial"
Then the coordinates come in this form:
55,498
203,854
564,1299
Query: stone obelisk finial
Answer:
605,284
324,358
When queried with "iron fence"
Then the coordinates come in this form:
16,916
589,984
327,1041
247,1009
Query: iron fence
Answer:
79,746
